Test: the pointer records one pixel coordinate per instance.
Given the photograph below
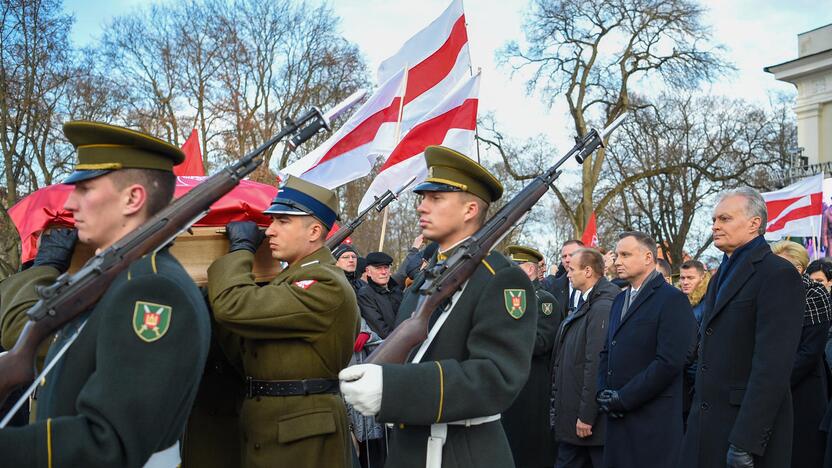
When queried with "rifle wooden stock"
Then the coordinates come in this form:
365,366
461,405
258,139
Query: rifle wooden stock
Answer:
71,295
443,280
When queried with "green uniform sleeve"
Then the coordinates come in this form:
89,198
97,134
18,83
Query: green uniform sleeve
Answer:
116,425
17,296
548,322
487,382
276,310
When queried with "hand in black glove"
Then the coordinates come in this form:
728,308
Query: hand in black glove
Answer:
56,247
243,235
610,403
739,458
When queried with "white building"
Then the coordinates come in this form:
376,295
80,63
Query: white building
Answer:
811,73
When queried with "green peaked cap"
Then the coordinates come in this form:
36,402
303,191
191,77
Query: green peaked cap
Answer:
452,171
103,148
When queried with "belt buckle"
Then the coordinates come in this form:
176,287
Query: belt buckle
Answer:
305,387
249,388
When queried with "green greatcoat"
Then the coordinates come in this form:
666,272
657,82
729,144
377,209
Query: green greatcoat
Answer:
302,325
123,390
527,421
475,367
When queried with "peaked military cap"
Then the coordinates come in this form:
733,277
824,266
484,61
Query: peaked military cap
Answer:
452,171
379,258
301,197
103,148
522,254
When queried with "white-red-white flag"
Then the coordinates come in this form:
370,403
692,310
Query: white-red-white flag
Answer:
795,210
350,152
435,60
451,123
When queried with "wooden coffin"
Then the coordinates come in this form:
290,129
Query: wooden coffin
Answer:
196,251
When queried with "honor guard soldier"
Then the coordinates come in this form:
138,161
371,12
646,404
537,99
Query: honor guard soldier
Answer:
527,421
445,403
297,332
121,394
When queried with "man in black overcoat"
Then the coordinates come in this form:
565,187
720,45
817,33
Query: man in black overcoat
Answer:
579,427
640,372
742,409
558,285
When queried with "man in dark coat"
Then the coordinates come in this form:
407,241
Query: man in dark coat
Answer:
445,402
640,371
527,421
579,427
742,407
380,298
346,258
558,285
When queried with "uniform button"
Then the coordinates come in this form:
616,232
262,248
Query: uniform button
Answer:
613,342
256,446
704,367
705,406
609,372
709,331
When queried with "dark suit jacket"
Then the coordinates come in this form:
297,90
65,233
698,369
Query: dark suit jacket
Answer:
748,340
643,359
575,370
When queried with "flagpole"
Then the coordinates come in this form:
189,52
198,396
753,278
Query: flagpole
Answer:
396,140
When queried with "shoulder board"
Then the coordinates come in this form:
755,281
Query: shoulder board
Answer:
146,265
495,261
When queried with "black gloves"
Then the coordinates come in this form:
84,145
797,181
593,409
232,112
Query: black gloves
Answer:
243,235
56,247
610,403
739,458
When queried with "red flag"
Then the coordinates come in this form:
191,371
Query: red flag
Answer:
193,158
590,237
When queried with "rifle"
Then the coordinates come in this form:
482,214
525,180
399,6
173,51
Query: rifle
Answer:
443,280
378,204
70,295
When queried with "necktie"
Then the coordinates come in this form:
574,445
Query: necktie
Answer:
580,301
631,296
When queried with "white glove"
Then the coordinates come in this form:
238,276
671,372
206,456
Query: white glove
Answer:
361,386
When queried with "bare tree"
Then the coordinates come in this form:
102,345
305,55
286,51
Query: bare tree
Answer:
710,144
593,53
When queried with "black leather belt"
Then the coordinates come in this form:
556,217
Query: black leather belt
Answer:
255,388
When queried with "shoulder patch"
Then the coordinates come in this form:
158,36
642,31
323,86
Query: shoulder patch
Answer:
305,284
151,321
515,300
547,308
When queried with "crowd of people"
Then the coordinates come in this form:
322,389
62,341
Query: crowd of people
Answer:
609,361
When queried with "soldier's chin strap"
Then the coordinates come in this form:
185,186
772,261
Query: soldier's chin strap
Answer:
48,368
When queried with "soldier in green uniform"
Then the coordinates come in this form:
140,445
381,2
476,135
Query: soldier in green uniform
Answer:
445,403
121,394
297,332
527,421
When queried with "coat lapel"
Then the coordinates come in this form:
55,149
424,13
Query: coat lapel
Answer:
647,290
736,279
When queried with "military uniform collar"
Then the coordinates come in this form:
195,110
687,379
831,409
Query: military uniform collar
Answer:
443,255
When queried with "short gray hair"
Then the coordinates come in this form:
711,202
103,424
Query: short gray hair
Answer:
755,205
644,240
